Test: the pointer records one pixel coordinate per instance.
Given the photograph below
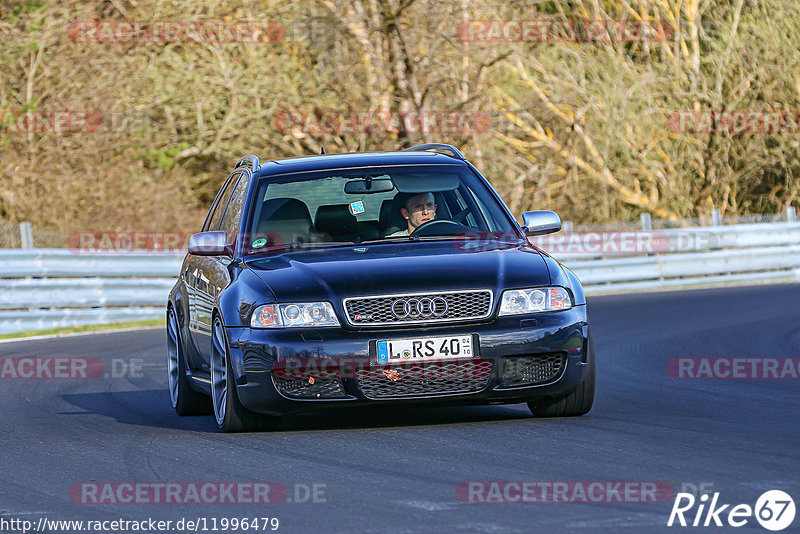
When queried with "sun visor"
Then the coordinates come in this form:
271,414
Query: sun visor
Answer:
425,183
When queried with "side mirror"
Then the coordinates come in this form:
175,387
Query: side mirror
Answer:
210,244
540,222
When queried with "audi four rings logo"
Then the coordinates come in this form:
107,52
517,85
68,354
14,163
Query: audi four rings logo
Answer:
419,308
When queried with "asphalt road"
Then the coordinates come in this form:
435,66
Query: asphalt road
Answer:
397,471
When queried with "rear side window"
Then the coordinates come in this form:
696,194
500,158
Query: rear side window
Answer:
219,208
233,213
461,204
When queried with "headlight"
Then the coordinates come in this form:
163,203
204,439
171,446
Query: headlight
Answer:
305,314
534,300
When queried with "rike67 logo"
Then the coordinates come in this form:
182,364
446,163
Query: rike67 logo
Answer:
774,510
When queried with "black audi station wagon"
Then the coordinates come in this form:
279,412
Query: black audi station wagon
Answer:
353,279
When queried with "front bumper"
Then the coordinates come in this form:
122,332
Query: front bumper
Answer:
256,354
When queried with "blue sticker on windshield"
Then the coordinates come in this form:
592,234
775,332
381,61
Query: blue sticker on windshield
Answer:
356,207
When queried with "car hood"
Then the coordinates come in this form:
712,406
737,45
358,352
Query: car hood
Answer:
336,273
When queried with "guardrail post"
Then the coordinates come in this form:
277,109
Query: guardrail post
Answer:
716,218
646,223
791,214
26,234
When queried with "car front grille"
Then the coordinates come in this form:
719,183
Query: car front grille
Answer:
424,379
324,387
532,369
383,310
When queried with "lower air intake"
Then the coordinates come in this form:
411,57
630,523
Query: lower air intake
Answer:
532,369
302,388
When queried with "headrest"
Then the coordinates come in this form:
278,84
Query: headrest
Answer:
284,220
284,209
391,220
336,220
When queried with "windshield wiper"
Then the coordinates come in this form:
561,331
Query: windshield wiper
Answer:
395,239
464,238
296,245
404,238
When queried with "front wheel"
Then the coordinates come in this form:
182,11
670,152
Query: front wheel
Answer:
229,412
578,402
185,400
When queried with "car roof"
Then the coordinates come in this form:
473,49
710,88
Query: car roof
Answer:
357,159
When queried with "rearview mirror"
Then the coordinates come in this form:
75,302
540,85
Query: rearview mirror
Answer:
210,244
368,185
541,222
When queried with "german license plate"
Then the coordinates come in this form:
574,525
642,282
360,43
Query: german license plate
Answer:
425,348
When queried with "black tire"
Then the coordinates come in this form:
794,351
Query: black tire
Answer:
185,400
577,402
230,414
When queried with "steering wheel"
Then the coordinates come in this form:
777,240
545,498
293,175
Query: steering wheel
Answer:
423,230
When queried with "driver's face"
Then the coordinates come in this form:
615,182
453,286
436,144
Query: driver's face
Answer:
419,210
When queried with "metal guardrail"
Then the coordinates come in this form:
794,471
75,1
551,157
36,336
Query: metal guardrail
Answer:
690,257
697,239
16,263
50,288
46,288
82,292
676,270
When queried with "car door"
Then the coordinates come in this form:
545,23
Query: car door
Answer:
215,276
194,273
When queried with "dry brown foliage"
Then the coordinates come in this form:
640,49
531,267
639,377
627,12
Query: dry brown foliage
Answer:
576,127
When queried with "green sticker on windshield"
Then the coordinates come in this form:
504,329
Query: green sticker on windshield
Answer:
258,243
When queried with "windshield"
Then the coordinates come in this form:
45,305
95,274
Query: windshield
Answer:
404,203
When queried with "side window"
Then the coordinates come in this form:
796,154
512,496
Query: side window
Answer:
462,204
486,218
233,214
219,208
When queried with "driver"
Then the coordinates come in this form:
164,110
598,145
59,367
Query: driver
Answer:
418,209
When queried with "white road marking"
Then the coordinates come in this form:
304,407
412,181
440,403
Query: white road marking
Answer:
428,505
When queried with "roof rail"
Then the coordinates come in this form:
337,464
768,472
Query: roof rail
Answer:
436,146
249,160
